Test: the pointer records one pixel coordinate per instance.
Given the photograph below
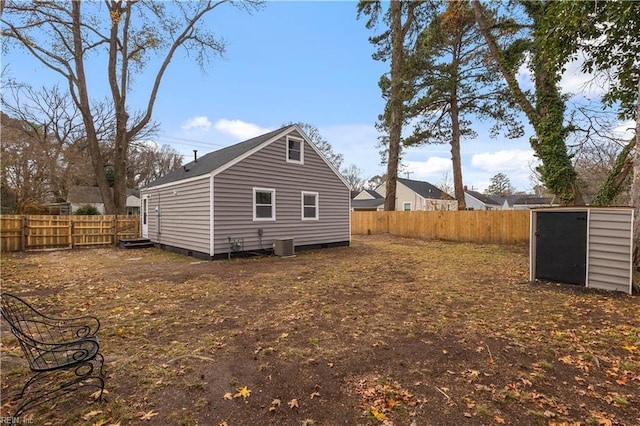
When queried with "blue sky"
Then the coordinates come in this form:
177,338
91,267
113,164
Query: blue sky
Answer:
297,61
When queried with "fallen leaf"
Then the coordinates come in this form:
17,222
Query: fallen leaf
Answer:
293,403
148,415
379,416
243,392
276,402
315,394
96,394
284,335
228,395
91,414
499,420
223,423
467,414
629,347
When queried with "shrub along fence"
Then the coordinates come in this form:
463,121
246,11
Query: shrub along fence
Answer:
492,226
40,232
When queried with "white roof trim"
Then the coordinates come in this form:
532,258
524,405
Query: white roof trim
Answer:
175,182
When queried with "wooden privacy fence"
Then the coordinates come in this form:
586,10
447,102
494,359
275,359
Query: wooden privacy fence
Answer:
492,226
24,233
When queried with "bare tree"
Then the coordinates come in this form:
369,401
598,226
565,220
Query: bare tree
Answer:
148,162
64,34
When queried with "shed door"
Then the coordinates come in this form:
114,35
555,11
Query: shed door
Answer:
561,246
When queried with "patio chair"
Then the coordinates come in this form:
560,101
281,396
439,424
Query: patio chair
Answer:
62,352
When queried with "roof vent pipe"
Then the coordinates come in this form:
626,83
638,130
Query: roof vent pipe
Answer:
195,155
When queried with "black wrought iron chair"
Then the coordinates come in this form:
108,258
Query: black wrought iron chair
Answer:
62,352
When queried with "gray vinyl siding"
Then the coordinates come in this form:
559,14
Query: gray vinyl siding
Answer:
267,168
185,214
609,254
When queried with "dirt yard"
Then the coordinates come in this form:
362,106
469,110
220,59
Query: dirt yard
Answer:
389,331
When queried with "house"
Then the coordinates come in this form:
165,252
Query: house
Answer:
80,196
367,200
410,195
478,201
248,197
419,195
525,202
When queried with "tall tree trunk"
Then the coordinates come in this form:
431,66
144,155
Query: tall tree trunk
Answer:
635,188
458,185
396,105
81,98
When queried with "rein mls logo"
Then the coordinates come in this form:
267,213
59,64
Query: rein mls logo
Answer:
15,421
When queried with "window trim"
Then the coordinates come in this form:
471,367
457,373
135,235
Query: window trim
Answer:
317,205
404,204
287,151
273,204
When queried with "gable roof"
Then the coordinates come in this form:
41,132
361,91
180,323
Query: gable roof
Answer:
216,159
425,189
370,195
482,198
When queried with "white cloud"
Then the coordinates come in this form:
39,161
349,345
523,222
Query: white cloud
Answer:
504,160
578,83
239,129
433,168
197,123
625,130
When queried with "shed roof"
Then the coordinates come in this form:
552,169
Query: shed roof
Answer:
216,159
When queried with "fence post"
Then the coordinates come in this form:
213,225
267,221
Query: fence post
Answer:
114,226
72,231
23,234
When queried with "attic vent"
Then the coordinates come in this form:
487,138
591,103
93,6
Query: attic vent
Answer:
283,247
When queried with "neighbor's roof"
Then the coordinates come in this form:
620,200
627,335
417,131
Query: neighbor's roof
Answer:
482,198
425,189
91,194
375,202
213,160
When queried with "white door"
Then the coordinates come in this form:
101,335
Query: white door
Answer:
145,217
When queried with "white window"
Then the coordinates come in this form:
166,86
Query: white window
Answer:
295,150
406,206
310,206
264,204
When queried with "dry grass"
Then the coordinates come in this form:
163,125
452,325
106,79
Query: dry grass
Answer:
456,326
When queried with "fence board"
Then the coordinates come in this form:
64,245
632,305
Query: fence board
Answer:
493,226
37,232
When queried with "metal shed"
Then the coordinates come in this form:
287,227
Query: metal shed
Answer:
588,246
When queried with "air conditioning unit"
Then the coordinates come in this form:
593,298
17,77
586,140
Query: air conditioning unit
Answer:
283,247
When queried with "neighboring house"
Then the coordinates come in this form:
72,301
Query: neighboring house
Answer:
249,196
418,195
477,201
80,196
525,202
367,200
